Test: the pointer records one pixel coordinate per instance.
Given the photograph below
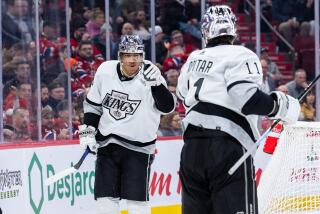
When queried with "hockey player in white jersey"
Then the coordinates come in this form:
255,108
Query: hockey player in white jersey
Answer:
220,88
121,116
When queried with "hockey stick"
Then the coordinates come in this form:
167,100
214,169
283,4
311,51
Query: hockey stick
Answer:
254,147
69,170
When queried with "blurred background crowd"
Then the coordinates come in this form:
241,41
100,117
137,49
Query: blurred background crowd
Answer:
39,101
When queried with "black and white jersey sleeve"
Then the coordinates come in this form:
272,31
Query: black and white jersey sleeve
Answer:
164,100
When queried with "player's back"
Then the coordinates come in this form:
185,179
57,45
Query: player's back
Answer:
210,71
206,85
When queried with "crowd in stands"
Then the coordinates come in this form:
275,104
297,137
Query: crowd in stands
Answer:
177,34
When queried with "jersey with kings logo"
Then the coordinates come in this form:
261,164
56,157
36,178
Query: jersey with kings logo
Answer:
215,84
126,106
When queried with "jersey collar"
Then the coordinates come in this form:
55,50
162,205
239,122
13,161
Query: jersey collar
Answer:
222,43
121,76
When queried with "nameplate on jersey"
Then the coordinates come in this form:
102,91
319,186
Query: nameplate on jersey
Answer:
120,105
200,65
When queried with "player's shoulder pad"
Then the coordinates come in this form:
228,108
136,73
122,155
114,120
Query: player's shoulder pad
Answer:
107,67
242,53
194,53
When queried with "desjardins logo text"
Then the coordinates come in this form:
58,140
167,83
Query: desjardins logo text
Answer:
68,188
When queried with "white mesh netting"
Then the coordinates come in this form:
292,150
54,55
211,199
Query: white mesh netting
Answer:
291,182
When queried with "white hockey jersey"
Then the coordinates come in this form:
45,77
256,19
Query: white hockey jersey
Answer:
127,108
207,86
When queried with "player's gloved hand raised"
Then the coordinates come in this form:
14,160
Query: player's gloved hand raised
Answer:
87,137
287,107
150,75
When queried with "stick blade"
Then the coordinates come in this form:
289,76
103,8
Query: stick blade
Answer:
59,175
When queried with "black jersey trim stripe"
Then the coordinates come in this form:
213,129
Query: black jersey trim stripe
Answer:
185,104
92,103
213,109
121,76
236,83
179,94
100,137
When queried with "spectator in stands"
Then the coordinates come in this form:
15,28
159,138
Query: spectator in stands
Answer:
282,11
172,77
16,25
161,50
192,24
78,28
304,46
62,119
85,66
297,86
79,34
76,122
272,68
8,133
48,131
193,11
268,84
289,29
308,111
176,59
50,43
141,25
127,28
22,74
21,125
62,115
21,98
99,42
178,51
87,13
94,25
171,14
303,40
177,40
44,95
128,9
290,14
171,125
11,57
173,17
56,94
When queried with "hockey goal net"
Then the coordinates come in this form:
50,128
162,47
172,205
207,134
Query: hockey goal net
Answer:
291,181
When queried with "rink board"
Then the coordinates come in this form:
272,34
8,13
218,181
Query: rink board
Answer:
24,168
